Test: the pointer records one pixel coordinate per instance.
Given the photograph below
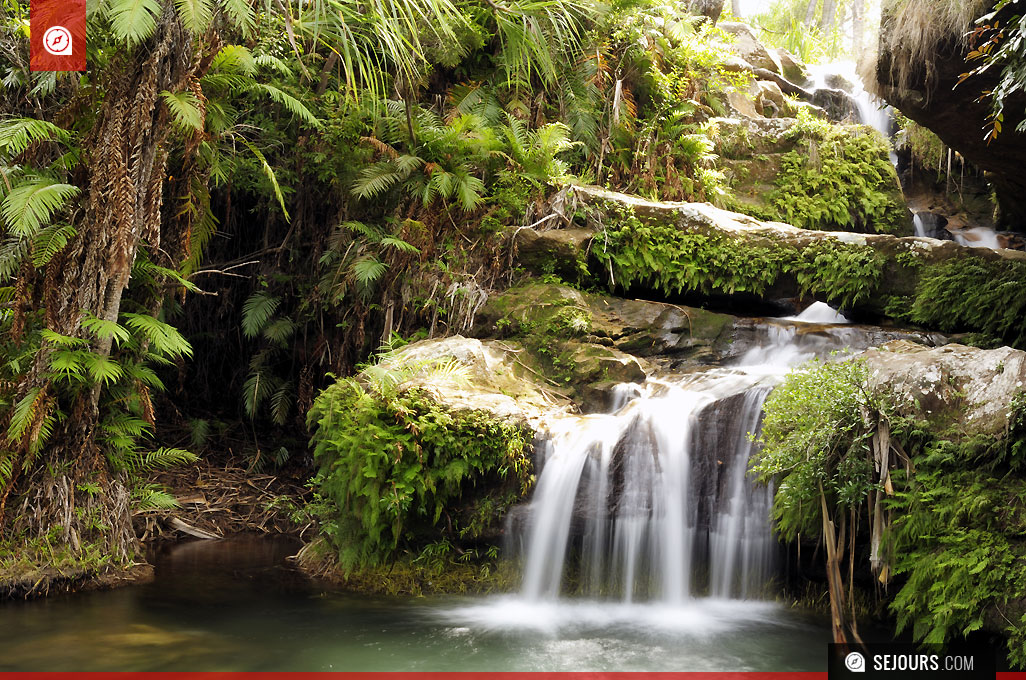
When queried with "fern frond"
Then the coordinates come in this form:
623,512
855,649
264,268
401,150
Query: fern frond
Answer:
275,64
281,403
241,14
164,338
280,330
17,134
271,176
185,110
195,14
161,459
104,329
151,498
33,203
133,20
256,311
377,178
49,242
234,59
367,271
399,244
102,369
291,104
22,415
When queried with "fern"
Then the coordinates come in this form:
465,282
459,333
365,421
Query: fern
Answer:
163,338
33,203
153,498
49,242
102,369
256,312
234,59
241,14
195,14
185,110
270,174
274,63
368,271
23,414
291,104
161,459
133,20
104,329
17,134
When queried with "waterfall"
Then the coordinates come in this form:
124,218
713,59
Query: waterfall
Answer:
653,501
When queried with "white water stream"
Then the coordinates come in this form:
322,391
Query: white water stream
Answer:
653,501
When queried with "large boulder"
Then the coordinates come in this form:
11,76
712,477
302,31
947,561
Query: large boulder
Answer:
901,261
748,47
466,373
972,386
771,162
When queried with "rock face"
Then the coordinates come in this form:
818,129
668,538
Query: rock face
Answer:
974,385
929,96
755,151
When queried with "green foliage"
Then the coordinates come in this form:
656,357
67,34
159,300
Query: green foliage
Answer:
392,466
841,179
675,260
973,293
813,436
957,510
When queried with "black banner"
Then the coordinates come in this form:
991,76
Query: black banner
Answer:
895,660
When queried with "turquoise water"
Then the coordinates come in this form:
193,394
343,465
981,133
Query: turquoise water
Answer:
236,606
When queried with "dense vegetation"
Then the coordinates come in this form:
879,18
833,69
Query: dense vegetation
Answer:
941,510
240,201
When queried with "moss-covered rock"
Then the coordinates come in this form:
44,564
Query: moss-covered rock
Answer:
678,250
812,173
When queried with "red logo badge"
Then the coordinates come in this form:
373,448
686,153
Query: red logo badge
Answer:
58,30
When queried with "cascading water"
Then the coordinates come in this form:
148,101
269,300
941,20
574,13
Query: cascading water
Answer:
653,501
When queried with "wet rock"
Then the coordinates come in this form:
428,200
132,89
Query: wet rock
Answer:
838,104
903,257
933,225
791,67
555,250
710,9
773,104
748,47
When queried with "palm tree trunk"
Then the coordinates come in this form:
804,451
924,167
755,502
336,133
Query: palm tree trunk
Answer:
735,7
123,184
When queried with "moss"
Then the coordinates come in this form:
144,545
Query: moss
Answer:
396,470
833,177
839,178
674,261
973,294
438,569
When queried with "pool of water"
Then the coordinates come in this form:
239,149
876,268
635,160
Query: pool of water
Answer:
234,605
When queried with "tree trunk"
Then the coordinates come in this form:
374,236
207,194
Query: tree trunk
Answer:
122,182
858,27
810,13
826,20
735,7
